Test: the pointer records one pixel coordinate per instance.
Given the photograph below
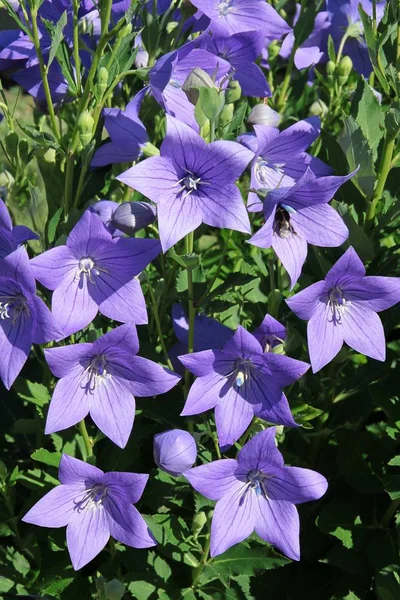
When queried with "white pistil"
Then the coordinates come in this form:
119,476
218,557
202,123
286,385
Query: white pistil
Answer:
93,498
265,172
338,304
4,307
88,268
224,7
189,183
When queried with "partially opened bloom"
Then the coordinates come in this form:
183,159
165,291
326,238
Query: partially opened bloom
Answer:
241,381
300,215
11,237
342,308
281,157
256,492
270,333
192,183
312,50
127,132
24,317
102,379
93,505
236,16
174,451
93,273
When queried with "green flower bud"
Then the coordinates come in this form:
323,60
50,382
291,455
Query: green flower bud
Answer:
344,69
330,69
199,520
233,92
12,143
102,80
85,126
319,109
226,115
273,50
194,81
23,151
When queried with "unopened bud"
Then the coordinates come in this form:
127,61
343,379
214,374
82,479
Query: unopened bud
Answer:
330,69
262,114
344,69
319,109
199,520
273,50
226,115
233,92
174,451
194,81
102,80
85,127
132,216
12,140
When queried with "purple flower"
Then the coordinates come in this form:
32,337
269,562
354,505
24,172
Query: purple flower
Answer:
270,333
102,379
192,183
170,72
12,237
94,506
295,216
24,317
127,132
174,451
133,216
311,52
345,18
281,157
257,492
343,308
241,51
236,16
93,273
105,209
241,381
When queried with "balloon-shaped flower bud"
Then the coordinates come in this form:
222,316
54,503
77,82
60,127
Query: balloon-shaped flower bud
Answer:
102,80
132,216
194,81
319,109
330,69
174,451
262,114
233,92
85,127
344,69
105,209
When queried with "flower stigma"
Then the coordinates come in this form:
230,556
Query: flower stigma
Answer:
96,373
88,268
224,7
93,498
337,303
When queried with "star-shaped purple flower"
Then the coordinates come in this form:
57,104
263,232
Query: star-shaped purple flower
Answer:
24,317
127,132
256,492
236,16
94,506
281,157
241,381
342,308
12,237
93,273
102,379
192,183
295,216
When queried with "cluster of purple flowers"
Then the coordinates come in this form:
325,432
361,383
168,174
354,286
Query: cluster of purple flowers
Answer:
191,182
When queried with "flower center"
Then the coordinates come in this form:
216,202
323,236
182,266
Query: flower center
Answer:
269,341
92,499
256,481
338,304
242,372
267,173
224,7
96,373
11,307
189,184
87,268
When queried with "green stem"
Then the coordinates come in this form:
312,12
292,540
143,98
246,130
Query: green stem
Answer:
189,243
86,438
77,58
157,321
203,561
384,170
285,85
271,274
200,301
341,47
212,131
43,73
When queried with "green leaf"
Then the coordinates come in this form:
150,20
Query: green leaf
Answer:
231,129
371,118
5,584
52,459
358,153
361,242
33,392
142,590
53,224
160,566
395,461
373,49
57,37
331,49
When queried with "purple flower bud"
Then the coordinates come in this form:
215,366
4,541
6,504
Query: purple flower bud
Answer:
105,210
174,451
132,216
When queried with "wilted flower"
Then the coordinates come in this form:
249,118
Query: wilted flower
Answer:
103,379
241,381
192,183
93,273
24,317
94,506
256,492
174,451
295,216
342,308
